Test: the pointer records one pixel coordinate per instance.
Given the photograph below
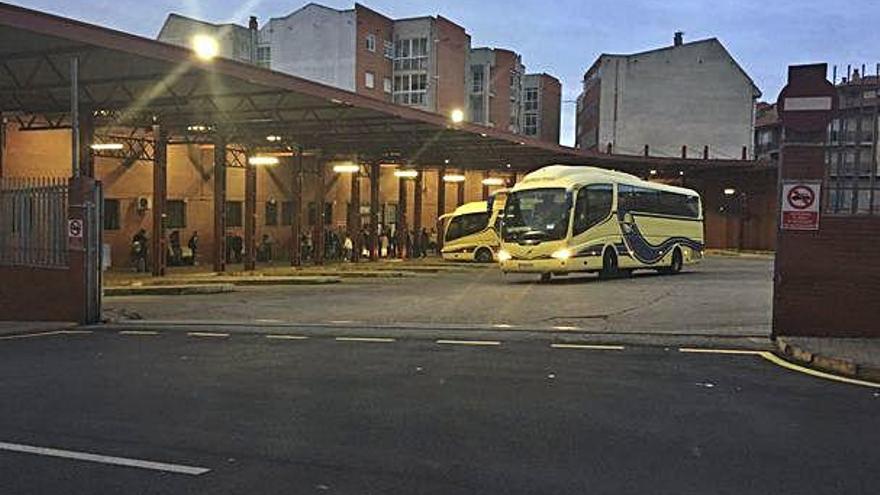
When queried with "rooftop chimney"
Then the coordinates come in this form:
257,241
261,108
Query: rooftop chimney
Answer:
252,24
678,39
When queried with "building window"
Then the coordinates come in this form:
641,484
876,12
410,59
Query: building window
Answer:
386,85
111,214
411,54
477,78
530,127
410,89
264,56
271,213
328,213
175,210
371,42
287,213
388,49
369,80
530,103
233,214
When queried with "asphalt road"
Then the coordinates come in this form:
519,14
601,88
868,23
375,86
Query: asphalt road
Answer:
414,416
721,296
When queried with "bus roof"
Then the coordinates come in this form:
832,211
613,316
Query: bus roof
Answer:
472,207
568,176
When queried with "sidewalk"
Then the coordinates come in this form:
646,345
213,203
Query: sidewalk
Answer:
22,327
852,357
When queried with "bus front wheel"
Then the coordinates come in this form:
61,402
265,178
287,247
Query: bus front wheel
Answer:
676,264
609,265
483,255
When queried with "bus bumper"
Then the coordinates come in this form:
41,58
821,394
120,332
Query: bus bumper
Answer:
550,265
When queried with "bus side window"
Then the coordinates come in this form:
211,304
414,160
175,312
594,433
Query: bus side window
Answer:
453,231
593,204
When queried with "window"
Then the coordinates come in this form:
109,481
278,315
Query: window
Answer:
369,80
233,214
411,54
271,213
386,85
410,89
477,78
466,225
264,56
530,104
530,127
388,49
371,42
328,213
111,214
287,213
175,210
593,205
655,201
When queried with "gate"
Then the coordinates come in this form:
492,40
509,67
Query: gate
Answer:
50,249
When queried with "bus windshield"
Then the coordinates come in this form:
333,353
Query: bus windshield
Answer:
536,215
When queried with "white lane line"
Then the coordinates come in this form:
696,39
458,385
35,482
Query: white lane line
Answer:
138,332
597,347
701,350
104,459
268,320
502,325
207,334
286,337
469,342
365,339
340,321
564,327
46,334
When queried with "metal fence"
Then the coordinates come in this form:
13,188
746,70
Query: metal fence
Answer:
33,222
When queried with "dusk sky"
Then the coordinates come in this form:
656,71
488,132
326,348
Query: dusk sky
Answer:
564,37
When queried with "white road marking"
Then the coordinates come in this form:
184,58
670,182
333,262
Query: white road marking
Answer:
365,339
563,327
268,320
502,325
773,358
469,342
597,347
138,332
286,337
46,334
700,350
340,321
207,334
104,459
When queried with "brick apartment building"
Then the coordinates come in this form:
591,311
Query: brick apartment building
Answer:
542,98
425,62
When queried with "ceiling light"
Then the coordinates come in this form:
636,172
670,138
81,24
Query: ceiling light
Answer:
406,174
493,181
263,160
107,146
453,178
346,168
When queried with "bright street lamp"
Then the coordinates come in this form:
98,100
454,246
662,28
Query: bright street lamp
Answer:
729,191
457,116
205,46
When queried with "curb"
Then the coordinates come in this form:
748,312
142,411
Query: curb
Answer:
168,290
232,280
843,366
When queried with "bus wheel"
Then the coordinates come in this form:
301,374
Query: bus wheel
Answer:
545,277
483,256
609,265
675,265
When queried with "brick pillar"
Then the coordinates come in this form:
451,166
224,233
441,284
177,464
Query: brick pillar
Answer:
250,217
375,171
296,189
219,203
159,247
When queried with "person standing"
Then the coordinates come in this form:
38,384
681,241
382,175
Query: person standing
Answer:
139,245
176,249
347,249
193,245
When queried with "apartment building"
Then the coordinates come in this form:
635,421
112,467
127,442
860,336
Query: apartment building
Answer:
495,88
541,105
688,99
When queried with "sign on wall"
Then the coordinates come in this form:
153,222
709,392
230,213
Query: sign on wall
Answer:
800,205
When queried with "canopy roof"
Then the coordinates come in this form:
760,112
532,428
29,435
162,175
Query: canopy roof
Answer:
127,80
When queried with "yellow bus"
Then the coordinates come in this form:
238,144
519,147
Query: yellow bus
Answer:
566,219
471,231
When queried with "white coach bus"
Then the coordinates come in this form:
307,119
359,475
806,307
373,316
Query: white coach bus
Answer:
565,219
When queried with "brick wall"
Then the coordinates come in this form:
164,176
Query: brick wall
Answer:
372,22
551,101
452,54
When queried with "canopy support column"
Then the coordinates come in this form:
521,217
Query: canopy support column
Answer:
250,217
296,208
441,205
160,197
375,171
219,203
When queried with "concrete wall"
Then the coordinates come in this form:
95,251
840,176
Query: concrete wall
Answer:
316,43
691,95
234,41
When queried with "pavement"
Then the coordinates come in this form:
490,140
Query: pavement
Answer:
200,411
725,296
854,357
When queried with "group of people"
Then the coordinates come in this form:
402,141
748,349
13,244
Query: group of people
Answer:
338,246
140,247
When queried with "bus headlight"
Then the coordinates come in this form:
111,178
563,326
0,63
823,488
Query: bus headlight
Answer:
504,255
562,254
